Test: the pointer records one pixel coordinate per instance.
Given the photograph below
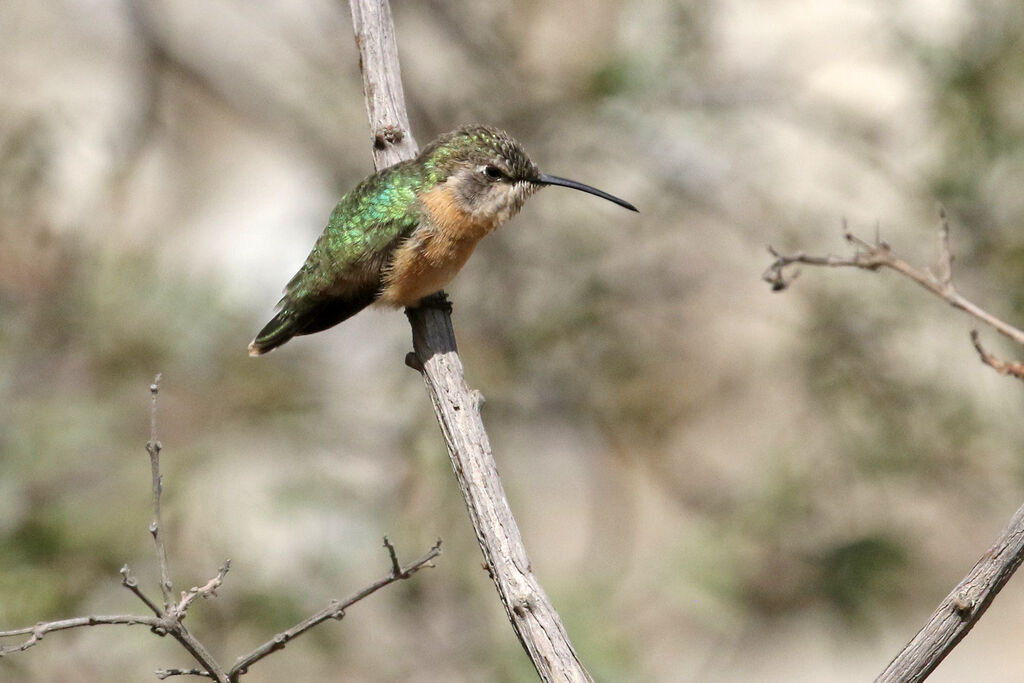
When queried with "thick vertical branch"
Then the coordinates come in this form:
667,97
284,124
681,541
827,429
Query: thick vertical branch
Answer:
534,619
382,82
528,607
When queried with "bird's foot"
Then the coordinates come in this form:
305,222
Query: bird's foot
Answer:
438,301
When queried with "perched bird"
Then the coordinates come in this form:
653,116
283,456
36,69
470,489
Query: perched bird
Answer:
404,232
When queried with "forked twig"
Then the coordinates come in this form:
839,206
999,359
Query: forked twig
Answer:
167,620
878,254
334,610
207,590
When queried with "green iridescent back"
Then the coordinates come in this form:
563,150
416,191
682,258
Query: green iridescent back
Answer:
365,221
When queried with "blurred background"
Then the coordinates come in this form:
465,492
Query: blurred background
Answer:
715,482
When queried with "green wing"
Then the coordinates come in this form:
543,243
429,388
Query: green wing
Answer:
342,274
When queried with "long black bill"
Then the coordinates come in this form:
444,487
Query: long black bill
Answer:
546,179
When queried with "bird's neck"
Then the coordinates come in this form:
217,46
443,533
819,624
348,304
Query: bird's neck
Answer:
450,220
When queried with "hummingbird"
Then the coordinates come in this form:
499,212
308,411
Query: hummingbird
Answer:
404,232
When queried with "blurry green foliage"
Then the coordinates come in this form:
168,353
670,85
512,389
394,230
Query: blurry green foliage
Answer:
88,333
861,574
612,78
974,87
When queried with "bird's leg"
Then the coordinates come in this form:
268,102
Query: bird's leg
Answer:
437,301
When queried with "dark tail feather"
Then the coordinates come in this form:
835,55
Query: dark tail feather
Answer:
279,330
291,323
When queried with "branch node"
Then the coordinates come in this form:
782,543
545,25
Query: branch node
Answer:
1003,367
396,568
163,674
963,605
413,361
387,135
126,577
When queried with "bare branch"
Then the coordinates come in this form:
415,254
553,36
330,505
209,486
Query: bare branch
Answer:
961,609
131,583
335,610
196,649
396,568
382,82
529,610
209,589
945,266
167,673
166,620
153,447
169,619
171,616
533,617
37,632
1003,367
878,254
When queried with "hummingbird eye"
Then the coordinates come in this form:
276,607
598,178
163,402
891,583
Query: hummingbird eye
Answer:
494,173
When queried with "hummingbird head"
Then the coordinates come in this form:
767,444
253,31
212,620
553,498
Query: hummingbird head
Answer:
489,173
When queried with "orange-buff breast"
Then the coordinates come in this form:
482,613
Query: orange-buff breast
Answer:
428,261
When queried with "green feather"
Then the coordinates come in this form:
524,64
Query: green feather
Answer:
342,274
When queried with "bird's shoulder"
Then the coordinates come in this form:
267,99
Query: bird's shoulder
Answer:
365,225
379,209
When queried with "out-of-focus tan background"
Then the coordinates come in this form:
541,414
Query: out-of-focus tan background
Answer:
715,483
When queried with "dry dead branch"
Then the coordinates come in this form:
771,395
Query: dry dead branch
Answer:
457,407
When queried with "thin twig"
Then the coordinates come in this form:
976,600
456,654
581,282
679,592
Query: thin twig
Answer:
39,630
172,614
169,619
129,581
396,568
153,447
1003,367
334,610
209,589
167,673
